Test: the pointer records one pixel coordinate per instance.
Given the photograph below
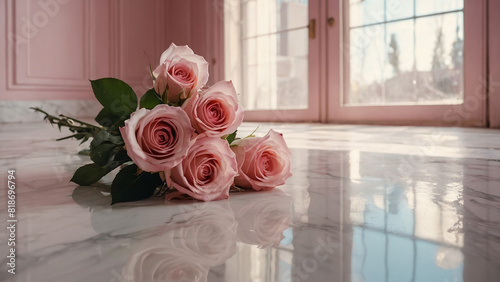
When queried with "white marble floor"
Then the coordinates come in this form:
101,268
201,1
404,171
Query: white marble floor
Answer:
365,203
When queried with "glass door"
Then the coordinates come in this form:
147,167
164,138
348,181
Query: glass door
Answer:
271,56
407,62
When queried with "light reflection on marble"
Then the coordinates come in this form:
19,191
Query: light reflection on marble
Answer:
365,203
19,111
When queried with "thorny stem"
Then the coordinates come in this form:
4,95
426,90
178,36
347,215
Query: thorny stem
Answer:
72,123
83,131
70,119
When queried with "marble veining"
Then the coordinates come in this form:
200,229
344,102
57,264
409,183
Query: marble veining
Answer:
19,111
365,203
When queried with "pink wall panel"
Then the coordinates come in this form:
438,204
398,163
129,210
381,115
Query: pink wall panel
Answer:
54,46
46,48
59,49
494,64
198,34
178,18
206,31
100,65
139,29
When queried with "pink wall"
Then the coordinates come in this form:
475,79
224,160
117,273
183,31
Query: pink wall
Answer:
494,64
199,24
54,46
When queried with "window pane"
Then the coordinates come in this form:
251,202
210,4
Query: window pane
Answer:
267,62
266,16
367,62
275,71
433,6
399,75
399,9
364,12
439,49
418,60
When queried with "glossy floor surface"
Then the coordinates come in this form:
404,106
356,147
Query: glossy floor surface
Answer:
365,203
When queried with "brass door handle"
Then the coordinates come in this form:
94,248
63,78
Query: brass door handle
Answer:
312,28
331,21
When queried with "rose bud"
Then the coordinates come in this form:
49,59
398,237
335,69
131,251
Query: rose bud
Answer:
181,72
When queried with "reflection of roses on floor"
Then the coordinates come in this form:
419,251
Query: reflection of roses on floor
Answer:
185,251
158,263
262,221
204,234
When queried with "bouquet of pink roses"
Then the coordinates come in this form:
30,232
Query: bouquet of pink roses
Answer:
180,137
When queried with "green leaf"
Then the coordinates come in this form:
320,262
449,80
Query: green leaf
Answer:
115,96
109,120
84,152
102,154
104,136
128,186
119,123
150,99
85,139
122,156
106,118
106,157
230,138
89,174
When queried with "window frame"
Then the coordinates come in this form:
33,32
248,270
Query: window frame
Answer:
472,112
313,112
326,78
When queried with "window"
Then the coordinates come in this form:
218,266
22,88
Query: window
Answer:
363,61
267,50
404,52
415,62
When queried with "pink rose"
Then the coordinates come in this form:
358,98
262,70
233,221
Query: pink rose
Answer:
181,72
157,139
263,162
215,111
208,170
